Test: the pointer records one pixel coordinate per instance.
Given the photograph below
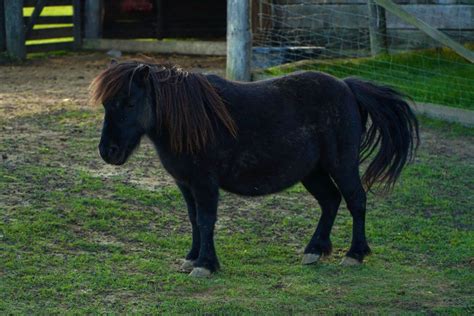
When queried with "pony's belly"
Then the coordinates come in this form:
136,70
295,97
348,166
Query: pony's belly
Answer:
269,176
256,188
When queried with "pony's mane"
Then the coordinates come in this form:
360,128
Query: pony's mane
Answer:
187,105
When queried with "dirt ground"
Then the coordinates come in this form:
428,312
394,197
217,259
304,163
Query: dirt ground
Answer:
46,84
59,200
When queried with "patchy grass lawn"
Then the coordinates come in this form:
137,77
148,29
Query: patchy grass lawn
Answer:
79,236
437,76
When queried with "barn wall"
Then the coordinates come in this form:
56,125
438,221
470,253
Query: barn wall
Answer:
343,24
168,18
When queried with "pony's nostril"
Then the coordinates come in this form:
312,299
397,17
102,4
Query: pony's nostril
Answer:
113,150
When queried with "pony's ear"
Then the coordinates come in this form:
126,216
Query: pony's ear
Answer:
113,62
141,75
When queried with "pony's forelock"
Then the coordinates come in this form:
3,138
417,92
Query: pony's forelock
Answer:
187,105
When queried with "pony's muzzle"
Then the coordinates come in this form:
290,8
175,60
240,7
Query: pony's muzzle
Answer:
111,153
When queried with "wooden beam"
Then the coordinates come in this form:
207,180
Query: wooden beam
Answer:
35,48
207,48
93,19
239,40
57,32
51,20
32,3
77,21
3,44
32,21
15,28
424,27
377,28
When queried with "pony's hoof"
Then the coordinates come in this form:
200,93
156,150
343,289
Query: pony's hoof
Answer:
310,258
349,261
199,272
187,266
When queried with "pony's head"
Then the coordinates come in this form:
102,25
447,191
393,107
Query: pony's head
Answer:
142,98
128,105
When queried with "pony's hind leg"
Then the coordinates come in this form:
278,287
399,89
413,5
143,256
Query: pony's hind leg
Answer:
348,181
320,185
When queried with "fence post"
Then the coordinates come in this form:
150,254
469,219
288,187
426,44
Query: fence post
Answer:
239,40
93,19
3,44
15,28
377,28
77,23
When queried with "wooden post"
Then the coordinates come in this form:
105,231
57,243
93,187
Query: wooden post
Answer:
15,28
77,22
159,19
239,40
3,44
377,28
93,19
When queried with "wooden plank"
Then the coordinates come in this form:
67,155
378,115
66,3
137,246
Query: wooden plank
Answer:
56,32
438,16
93,19
34,16
432,32
377,28
321,16
239,40
3,43
52,20
77,21
32,3
331,38
307,2
409,39
36,48
341,40
14,28
209,48
355,16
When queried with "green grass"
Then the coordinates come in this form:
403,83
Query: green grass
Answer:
434,76
77,236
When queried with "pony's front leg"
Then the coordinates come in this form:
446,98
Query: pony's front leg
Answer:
206,197
193,253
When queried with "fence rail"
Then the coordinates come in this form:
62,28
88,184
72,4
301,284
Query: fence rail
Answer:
52,27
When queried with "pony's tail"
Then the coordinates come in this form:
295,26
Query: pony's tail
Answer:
393,129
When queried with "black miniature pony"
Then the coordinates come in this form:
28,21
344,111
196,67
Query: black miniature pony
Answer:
258,138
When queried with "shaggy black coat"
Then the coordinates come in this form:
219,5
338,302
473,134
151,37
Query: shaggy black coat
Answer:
305,127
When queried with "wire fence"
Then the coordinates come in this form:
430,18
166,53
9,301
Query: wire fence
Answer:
333,36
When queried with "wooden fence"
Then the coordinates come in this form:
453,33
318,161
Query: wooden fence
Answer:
16,30
343,25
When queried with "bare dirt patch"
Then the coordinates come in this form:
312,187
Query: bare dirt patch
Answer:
44,85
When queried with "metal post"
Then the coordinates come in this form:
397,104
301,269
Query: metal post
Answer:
239,40
377,28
